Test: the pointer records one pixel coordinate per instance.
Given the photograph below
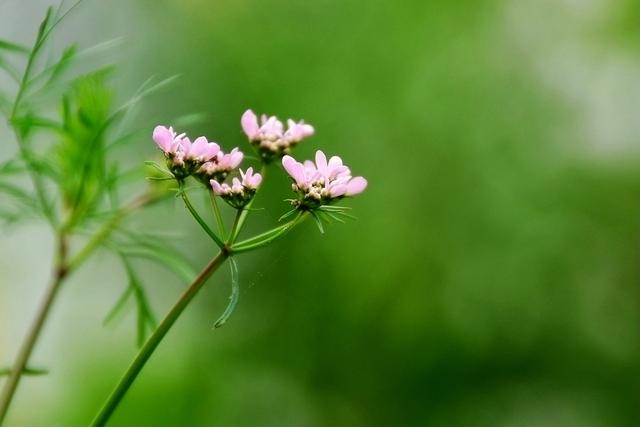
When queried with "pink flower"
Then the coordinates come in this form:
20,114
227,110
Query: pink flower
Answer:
200,150
185,158
219,166
241,191
320,182
250,180
167,139
270,136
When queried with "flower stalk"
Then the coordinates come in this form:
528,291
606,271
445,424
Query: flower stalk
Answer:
20,365
317,185
63,267
155,338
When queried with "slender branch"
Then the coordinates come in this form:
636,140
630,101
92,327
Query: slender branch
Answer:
267,237
156,337
35,178
217,213
20,364
199,219
235,228
242,214
63,267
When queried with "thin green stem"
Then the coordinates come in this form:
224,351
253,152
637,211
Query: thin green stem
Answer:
63,268
199,219
35,178
154,340
242,214
267,237
22,359
235,228
218,214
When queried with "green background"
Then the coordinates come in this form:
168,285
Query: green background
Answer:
492,276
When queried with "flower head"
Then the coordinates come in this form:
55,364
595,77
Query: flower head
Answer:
241,190
183,156
270,136
322,182
219,166
167,139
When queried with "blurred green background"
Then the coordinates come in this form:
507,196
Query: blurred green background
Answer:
492,278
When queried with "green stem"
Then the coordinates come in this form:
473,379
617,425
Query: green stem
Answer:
20,364
35,178
267,237
61,272
199,219
242,214
235,228
217,213
152,342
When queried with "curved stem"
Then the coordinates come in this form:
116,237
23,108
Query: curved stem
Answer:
20,364
199,219
156,337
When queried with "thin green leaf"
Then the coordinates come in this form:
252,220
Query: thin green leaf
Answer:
318,221
146,90
346,215
9,69
18,194
25,371
334,217
165,258
13,47
287,215
11,167
333,208
190,120
159,168
266,237
235,294
58,20
118,306
145,318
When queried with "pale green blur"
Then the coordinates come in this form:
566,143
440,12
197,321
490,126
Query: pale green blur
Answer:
492,278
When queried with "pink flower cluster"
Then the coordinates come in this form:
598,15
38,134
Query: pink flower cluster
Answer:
316,184
322,182
241,190
219,166
269,135
201,158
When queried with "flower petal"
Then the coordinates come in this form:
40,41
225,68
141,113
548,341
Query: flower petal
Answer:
163,137
294,169
356,186
249,122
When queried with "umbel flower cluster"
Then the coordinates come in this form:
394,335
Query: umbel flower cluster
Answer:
269,136
316,185
200,158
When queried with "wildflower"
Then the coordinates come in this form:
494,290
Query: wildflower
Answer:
269,135
183,156
219,166
241,191
322,182
200,150
167,139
